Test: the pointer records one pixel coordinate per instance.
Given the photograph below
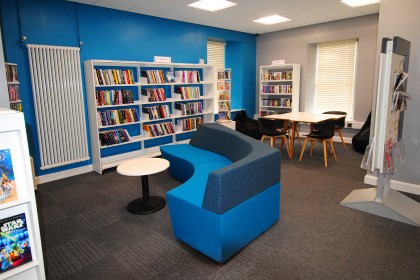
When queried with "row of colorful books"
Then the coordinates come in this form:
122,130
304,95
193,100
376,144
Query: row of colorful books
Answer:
191,108
190,123
221,75
157,112
283,102
187,76
276,76
113,117
188,92
154,76
112,137
13,92
11,73
159,129
114,77
224,116
114,97
286,89
224,106
154,94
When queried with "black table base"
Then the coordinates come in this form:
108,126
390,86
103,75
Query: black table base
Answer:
146,204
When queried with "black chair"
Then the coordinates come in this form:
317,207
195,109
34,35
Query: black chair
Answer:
271,128
339,124
323,132
246,125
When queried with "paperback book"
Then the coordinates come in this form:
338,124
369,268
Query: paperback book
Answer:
14,247
8,185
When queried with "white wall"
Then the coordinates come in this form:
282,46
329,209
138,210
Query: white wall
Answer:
4,96
298,46
401,18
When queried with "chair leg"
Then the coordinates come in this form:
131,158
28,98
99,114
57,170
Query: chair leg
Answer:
303,148
262,138
332,149
273,141
297,135
313,142
324,144
284,140
342,139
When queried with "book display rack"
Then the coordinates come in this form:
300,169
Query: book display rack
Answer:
20,240
224,87
279,89
135,107
13,87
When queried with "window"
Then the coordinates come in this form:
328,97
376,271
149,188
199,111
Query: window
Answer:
216,58
334,84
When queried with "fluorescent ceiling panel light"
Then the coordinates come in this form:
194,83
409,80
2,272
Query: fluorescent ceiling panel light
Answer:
212,5
358,3
271,20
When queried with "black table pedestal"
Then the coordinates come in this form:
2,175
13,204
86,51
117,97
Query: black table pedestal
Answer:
146,204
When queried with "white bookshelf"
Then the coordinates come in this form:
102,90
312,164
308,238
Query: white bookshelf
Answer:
19,224
141,142
279,89
224,89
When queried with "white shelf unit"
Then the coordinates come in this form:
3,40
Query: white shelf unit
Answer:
141,143
13,86
18,211
224,89
279,89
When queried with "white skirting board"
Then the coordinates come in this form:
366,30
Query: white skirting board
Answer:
393,205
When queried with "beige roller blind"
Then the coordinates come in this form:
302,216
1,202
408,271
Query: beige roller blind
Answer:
216,58
336,64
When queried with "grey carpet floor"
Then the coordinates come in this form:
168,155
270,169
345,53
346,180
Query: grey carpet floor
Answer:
87,232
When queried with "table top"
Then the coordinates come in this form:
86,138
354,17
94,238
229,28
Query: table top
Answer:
142,166
307,117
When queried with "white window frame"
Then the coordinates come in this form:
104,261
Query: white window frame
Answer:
335,76
216,58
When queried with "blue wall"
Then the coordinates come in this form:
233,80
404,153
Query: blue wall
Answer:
116,35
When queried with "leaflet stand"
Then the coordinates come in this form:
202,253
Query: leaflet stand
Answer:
382,200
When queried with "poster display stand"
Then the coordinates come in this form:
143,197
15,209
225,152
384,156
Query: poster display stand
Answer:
386,149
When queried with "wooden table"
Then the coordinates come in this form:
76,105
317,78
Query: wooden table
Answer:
302,117
144,167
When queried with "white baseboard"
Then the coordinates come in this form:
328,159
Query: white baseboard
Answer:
63,174
395,185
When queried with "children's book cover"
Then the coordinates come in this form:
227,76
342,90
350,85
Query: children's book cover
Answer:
8,186
15,249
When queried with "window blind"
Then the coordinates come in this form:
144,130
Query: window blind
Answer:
216,58
335,76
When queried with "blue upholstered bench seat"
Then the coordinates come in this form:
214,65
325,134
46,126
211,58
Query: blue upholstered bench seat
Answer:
230,191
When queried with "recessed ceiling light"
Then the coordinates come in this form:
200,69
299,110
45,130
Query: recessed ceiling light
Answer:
212,5
271,20
358,3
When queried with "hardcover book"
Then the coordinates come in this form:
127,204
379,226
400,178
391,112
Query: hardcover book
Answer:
15,249
8,185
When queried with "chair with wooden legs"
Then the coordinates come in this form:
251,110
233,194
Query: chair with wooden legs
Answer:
339,124
273,129
324,132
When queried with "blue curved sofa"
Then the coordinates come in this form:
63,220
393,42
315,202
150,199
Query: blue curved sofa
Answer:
230,192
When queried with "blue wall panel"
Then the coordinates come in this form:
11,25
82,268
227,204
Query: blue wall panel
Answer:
116,35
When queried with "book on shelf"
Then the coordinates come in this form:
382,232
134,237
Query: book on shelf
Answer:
112,137
190,123
115,117
8,190
13,92
154,76
188,92
154,94
159,129
223,75
187,76
11,73
157,112
113,76
277,76
224,115
16,106
114,97
191,108
224,106
224,95
15,248
284,89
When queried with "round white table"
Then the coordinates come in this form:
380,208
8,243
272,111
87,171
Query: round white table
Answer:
144,167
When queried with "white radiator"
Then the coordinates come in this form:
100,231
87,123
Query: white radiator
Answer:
59,107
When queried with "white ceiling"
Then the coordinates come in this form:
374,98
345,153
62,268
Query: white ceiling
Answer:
241,16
